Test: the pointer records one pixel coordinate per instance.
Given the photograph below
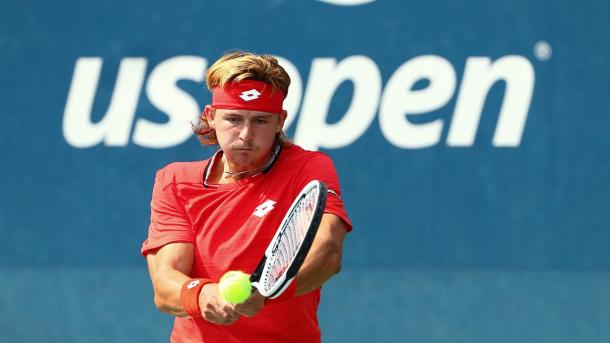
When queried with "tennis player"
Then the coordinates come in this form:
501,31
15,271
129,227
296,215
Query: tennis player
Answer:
216,215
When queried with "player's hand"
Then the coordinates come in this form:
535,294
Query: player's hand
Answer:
214,308
253,305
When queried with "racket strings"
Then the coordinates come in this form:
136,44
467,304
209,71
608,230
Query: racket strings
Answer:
291,238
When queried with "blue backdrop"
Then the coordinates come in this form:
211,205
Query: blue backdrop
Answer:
471,140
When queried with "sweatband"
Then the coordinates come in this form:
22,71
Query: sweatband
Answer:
189,296
248,95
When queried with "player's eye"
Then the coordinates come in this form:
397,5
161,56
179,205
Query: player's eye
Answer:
260,121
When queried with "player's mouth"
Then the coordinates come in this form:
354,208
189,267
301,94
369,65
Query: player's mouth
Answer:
243,149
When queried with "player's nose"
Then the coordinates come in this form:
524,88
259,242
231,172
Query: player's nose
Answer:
246,132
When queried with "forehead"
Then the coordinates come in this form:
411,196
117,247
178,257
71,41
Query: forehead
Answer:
242,113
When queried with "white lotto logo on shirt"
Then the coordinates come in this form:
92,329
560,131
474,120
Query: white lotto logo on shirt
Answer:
264,208
250,95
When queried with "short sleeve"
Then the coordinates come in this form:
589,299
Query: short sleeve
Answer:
321,167
168,220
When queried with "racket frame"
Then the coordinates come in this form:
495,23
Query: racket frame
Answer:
286,279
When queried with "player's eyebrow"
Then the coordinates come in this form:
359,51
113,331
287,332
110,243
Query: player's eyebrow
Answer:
237,114
234,114
265,116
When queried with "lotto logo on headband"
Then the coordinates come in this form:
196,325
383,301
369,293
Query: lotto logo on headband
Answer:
248,95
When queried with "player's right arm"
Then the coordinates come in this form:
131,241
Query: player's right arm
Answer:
169,267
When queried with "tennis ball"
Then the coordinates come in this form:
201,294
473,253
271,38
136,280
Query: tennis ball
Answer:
235,287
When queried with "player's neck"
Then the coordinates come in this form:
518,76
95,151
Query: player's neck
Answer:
227,172
223,171
232,172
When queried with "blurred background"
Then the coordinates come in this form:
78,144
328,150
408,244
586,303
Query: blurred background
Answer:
471,139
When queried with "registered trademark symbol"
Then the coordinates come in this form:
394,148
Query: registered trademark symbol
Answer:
543,50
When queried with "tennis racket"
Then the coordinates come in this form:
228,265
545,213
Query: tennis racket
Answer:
291,243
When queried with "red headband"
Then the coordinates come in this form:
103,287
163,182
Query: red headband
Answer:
248,95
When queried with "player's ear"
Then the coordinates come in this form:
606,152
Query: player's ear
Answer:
281,118
209,113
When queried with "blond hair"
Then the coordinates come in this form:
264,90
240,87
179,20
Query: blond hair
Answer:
239,66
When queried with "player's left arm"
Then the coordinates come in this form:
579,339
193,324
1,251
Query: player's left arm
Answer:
324,258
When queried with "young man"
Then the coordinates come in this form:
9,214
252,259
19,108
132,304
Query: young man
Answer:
212,216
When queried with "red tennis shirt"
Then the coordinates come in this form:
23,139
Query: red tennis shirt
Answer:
231,226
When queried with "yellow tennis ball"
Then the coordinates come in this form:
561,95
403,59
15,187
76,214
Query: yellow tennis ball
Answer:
235,287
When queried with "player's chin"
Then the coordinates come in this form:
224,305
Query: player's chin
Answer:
245,160
244,157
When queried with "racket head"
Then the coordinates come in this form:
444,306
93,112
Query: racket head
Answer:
291,242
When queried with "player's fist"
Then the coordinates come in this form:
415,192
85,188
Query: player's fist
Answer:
214,309
251,306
